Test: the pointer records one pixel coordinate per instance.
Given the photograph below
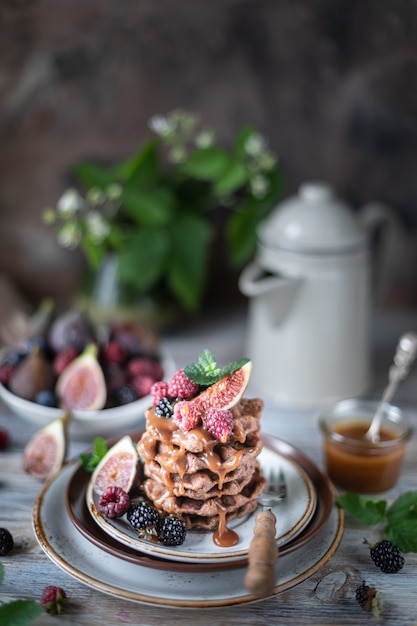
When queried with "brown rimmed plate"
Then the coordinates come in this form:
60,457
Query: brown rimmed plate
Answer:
75,499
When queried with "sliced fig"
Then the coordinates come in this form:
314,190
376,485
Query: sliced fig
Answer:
32,375
45,453
118,468
227,392
82,385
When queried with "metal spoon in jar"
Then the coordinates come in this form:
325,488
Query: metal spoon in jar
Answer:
403,359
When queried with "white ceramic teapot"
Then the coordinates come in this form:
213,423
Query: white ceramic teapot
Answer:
310,290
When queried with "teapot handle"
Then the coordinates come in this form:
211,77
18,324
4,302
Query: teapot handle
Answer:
382,225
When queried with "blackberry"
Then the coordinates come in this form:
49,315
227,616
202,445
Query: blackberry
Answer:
126,394
6,541
368,598
387,557
46,397
142,516
171,531
165,407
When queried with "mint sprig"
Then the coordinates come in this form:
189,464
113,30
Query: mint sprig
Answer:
90,460
399,519
205,371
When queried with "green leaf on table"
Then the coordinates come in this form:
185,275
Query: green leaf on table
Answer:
19,612
368,511
90,460
401,528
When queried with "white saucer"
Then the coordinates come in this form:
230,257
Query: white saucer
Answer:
109,574
292,515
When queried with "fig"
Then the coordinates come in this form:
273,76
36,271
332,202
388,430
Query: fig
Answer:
227,391
33,374
45,453
82,385
71,329
118,467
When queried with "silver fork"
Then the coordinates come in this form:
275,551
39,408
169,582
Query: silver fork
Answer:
260,578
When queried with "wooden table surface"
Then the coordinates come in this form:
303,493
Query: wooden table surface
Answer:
325,598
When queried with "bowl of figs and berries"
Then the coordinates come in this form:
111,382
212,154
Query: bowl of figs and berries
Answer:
101,376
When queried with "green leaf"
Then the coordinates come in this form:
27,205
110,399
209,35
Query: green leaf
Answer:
206,164
144,258
19,612
92,175
402,522
367,511
241,237
90,460
233,178
142,169
187,271
205,371
149,208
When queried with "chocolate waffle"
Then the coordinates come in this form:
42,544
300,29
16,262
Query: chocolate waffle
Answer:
194,476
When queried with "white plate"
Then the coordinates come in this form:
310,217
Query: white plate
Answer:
293,514
87,424
100,570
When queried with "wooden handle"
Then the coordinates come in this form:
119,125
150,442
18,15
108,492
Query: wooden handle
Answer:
260,577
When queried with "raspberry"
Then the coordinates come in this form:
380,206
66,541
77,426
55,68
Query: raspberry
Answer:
6,371
187,415
181,386
159,390
62,359
113,352
53,599
114,502
142,516
142,385
171,531
144,366
387,557
4,439
219,423
165,407
6,541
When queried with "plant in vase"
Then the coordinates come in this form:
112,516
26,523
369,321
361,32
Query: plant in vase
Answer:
153,212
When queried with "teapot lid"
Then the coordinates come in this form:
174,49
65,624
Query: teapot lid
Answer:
314,221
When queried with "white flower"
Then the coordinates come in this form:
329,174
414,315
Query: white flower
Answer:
259,186
160,125
255,144
96,226
205,139
69,235
69,203
177,154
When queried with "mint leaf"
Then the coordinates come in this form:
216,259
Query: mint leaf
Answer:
402,522
367,511
19,612
90,460
205,371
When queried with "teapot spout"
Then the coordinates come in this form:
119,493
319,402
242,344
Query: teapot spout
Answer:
272,293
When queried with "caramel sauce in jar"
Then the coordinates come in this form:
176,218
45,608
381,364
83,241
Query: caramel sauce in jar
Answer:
356,464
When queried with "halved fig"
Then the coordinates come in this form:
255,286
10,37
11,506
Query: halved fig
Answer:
118,467
45,453
227,392
82,384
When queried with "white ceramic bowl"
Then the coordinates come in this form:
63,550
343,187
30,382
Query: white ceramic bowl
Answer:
87,424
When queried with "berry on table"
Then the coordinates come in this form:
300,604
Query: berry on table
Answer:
53,599
142,516
368,598
181,386
114,502
4,439
387,557
6,541
171,531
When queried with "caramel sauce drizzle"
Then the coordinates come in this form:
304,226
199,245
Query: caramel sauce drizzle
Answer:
172,458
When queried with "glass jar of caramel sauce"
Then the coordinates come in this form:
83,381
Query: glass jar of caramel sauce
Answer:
352,461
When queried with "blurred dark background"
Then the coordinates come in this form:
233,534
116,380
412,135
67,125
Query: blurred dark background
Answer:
331,83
